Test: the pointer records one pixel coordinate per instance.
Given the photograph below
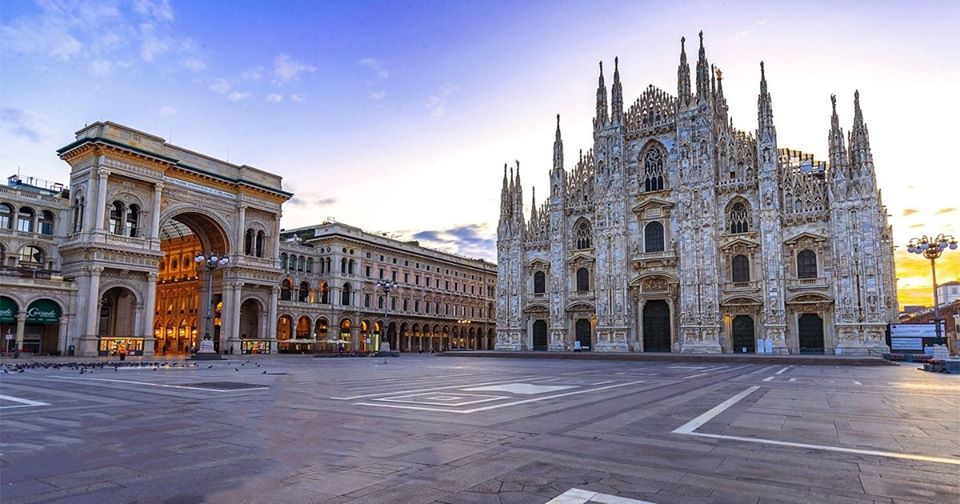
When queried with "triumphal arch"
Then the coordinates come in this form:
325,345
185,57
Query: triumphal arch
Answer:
141,211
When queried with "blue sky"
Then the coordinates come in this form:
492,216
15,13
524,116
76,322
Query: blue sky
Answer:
398,116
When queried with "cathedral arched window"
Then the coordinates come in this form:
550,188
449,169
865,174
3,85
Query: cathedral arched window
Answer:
285,290
583,280
741,269
116,218
539,283
653,170
6,216
807,264
653,237
259,244
132,225
46,222
582,235
739,218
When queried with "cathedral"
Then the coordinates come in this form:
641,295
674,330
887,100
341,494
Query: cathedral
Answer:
677,232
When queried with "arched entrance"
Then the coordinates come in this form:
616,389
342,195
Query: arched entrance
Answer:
583,334
118,323
284,333
744,340
251,341
346,337
8,322
540,335
42,327
183,284
810,327
656,326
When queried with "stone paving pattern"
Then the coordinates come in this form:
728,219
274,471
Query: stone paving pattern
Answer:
113,441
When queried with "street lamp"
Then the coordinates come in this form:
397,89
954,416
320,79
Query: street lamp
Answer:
932,248
386,286
211,262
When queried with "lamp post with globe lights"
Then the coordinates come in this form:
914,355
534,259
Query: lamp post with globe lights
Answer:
933,248
386,286
211,262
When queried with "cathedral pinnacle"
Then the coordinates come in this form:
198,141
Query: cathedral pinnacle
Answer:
764,106
616,102
558,149
703,74
683,75
602,117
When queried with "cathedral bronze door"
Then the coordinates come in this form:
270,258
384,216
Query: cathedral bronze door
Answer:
583,334
811,333
743,335
656,326
539,335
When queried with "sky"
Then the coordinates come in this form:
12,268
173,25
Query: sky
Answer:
398,116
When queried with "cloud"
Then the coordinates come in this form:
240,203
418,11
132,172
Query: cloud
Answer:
377,96
307,200
909,211
472,240
742,34
25,124
944,211
297,98
167,110
286,69
376,66
101,67
437,104
274,98
252,73
238,96
194,64
220,86
159,10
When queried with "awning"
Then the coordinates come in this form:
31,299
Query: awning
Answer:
43,311
8,310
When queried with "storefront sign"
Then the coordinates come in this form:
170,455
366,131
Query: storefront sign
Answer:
906,343
8,310
43,312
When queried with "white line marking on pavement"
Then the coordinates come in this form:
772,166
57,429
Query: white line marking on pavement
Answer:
782,370
579,496
769,378
691,426
25,402
164,385
793,379
858,383
381,394
504,405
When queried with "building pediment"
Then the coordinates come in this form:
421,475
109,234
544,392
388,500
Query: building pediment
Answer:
579,258
538,265
739,243
652,202
741,300
536,306
580,305
809,298
806,237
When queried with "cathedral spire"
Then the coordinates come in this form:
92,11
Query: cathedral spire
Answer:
683,75
838,154
861,159
616,99
504,194
558,149
764,107
533,205
720,100
518,195
602,118
703,75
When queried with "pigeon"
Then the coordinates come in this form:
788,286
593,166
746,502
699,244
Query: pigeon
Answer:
264,371
236,369
210,366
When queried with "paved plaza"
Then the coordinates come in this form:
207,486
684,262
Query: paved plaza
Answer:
420,428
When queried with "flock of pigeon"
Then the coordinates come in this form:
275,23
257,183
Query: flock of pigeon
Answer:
89,367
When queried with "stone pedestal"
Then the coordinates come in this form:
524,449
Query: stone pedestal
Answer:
206,351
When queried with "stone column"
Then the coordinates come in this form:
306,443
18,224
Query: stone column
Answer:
226,316
62,334
138,321
155,216
233,337
241,232
101,203
89,344
271,333
276,242
149,308
21,325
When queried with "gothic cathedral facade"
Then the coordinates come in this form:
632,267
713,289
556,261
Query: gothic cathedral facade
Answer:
678,233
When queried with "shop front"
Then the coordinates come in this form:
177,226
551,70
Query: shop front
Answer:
42,328
8,323
254,346
118,346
